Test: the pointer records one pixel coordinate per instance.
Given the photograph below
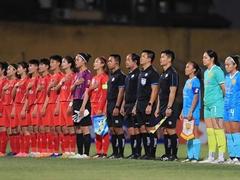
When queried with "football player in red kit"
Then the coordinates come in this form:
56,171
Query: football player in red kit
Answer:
65,114
19,111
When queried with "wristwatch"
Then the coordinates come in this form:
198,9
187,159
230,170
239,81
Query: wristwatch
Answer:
117,107
169,107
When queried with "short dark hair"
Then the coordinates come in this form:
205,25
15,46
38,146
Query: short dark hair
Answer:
150,54
57,58
24,64
4,66
135,58
34,62
169,53
45,61
116,57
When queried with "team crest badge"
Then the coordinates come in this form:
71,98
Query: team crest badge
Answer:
233,81
189,85
210,74
132,76
143,81
166,75
146,74
113,79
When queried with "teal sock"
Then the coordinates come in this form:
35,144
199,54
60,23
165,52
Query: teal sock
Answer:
236,143
230,145
190,149
196,148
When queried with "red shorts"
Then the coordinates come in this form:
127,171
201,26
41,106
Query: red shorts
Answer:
65,119
5,119
51,119
34,120
18,120
40,118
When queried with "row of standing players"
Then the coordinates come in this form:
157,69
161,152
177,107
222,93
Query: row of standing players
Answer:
37,111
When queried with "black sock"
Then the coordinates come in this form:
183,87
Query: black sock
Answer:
133,143
80,143
87,143
155,145
121,144
145,139
114,144
174,144
138,144
167,144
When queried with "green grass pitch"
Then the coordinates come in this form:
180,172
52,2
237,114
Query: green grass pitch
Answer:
105,169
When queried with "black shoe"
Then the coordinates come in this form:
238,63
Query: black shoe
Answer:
119,156
164,158
143,156
112,156
130,156
173,158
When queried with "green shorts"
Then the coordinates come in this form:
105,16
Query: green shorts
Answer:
215,110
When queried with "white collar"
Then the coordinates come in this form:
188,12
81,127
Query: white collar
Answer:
233,75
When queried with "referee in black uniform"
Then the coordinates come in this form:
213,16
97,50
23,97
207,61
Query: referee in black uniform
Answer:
168,84
146,103
130,97
115,95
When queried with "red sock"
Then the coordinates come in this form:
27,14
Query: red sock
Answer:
105,143
72,142
56,143
50,142
67,142
21,143
44,142
17,143
39,142
99,144
33,142
4,140
11,140
27,143
1,137
62,142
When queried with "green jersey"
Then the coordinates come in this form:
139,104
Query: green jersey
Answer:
213,78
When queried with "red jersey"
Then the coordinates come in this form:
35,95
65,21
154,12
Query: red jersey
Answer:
7,98
53,92
21,91
42,89
33,82
65,92
99,94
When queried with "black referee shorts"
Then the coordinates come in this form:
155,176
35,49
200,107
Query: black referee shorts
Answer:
149,120
171,122
130,119
113,121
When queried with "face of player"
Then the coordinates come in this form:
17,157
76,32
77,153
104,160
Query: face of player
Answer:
189,69
230,66
129,62
144,59
32,68
20,70
65,65
164,60
111,63
11,71
97,64
79,62
207,60
54,64
43,68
